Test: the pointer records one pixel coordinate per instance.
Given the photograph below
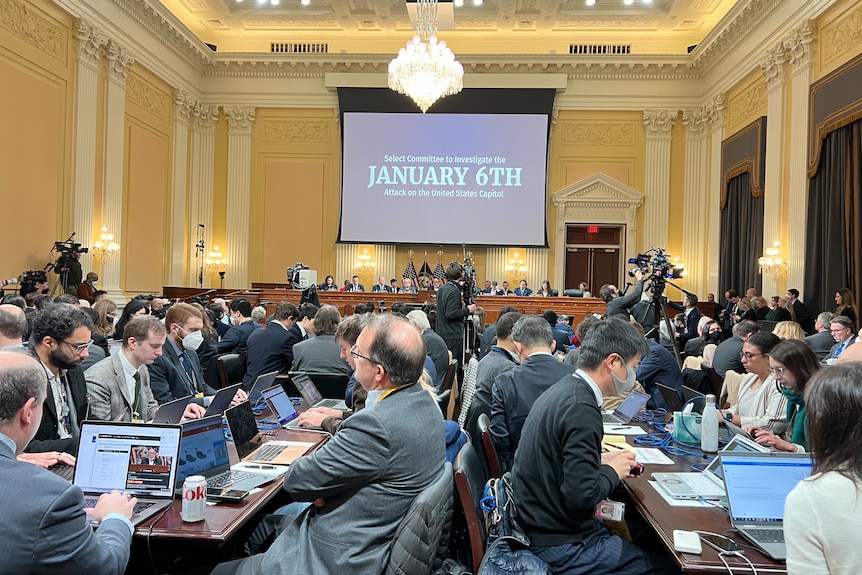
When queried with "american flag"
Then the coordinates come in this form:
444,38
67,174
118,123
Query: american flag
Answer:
439,272
410,270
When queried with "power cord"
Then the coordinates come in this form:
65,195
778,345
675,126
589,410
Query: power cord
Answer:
722,554
150,533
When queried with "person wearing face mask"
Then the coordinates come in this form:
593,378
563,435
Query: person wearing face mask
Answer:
560,473
234,341
792,363
177,372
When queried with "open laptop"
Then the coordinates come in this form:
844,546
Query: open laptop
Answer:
171,413
757,486
136,458
626,411
203,451
221,400
281,406
263,381
709,483
311,395
670,396
249,442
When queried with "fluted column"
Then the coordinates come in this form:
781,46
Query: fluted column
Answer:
773,71
385,256
694,253
496,260
119,63
240,120
183,104
536,260
715,109
89,43
345,261
659,124
201,206
799,47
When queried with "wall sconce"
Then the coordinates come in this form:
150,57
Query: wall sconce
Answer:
771,262
105,247
365,263
215,261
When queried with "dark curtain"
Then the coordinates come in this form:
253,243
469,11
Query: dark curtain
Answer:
831,251
741,242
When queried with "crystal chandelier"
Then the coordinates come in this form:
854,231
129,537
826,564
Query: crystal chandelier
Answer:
426,69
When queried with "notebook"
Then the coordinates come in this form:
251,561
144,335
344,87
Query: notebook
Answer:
627,409
249,442
221,400
311,395
172,412
757,486
136,458
708,483
203,451
263,381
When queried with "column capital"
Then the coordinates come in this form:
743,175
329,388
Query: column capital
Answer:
799,45
696,122
659,123
715,111
120,61
239,118
773,66
204,116
183,105
89,41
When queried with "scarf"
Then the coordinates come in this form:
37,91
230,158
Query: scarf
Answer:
796,417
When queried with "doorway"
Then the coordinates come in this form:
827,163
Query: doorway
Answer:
593,255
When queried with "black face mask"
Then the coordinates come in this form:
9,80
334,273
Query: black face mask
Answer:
715,337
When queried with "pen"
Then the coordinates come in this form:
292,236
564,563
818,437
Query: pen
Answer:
614,446
619,428
260,466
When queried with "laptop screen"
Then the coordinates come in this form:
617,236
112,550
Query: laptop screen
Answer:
631,405
758,484
280,404
136,458
307,389
737,444
203,448
263,381
243,427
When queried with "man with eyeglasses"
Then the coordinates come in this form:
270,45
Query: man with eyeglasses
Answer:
61,335
844,333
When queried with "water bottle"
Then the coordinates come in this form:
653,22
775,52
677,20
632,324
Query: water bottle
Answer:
709,426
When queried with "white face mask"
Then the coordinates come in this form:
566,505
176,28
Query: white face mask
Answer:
193,340
624,386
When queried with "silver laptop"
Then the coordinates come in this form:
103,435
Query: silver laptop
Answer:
281,406
136,458
311,395
709,483
263,381
757,486
627,409
221,400
203,451
172,412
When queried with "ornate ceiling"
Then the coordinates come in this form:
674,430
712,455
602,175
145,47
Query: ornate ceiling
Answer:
516,27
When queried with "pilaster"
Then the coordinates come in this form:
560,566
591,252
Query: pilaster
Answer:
659,124
183,104
240,120
716,114
694,253
202,178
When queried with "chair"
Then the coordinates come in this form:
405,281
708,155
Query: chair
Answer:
483,425
330,385
231,368
767,325
469,484
573,293
423,535
450,375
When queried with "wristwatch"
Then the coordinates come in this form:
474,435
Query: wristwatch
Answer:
728,417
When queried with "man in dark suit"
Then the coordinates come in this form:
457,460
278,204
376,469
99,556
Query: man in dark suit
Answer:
727,354
61,336
491,332
522,290
451,311
435,347
354,284
381,286
619,305
321,353
515,391
234,340
844,333
177,372
271,348
821,341
46,528
505,289
803,315
692,318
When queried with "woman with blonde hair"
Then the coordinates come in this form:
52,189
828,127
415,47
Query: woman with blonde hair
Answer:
107,311
789,330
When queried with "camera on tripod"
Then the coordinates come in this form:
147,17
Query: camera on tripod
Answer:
468,288
656,265
68,247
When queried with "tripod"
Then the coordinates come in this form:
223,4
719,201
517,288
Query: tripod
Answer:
656,313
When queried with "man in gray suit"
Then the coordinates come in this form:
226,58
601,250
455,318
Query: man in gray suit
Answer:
821,341
48,530
321,353
118,387
363,480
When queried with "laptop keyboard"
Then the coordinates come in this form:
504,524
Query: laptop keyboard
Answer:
268,452
228,478
765,535
90,502
328,403
64,470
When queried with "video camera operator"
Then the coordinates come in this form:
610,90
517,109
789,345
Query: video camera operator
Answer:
451,310
69,268
619,305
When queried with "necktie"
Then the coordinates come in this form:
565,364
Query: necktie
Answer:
137,411
64,407
841,348
190,373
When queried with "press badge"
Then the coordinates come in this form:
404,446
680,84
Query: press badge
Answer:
610,510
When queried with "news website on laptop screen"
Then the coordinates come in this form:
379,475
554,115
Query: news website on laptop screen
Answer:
139,459
203,447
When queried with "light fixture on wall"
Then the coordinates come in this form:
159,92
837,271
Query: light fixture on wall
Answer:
426,69
105,247
215,262
771,261
365,262
516,269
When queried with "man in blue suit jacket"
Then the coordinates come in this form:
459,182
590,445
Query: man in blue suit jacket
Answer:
271,348
692,317
46,529
234,340
522,290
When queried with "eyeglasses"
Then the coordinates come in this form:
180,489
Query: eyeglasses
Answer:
839,330
777,371
78,348
355,353
747,355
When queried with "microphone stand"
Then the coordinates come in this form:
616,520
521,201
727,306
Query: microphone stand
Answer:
200,246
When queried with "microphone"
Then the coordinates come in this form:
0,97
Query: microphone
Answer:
201,226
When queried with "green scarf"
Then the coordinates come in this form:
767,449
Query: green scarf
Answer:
796,417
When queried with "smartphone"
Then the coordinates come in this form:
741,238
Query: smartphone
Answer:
719,543
231,495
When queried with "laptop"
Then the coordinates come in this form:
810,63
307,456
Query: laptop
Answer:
626,411
171,413
757,486
203,451
263,381
221,400
136,458
670,396
311,395
249,442
281,406
709,483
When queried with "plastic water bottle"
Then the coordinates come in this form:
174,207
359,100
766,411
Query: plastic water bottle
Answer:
709,426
